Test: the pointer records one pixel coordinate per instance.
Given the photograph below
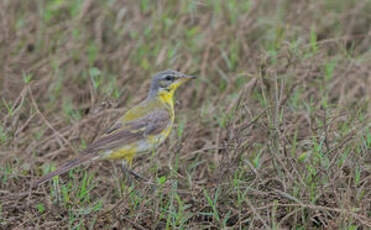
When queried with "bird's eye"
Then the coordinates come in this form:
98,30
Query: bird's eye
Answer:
169,78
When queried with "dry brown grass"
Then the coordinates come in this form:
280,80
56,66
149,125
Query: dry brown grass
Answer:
275,133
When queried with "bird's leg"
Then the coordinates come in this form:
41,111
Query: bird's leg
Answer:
137,176
128,173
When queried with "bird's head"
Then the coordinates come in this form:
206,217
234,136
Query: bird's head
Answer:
167,82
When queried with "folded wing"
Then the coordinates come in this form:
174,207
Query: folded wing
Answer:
123,134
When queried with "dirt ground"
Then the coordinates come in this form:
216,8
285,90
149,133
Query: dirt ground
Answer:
274,134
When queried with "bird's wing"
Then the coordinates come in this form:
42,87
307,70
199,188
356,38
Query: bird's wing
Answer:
122,134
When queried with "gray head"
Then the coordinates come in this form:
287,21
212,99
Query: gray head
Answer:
167,82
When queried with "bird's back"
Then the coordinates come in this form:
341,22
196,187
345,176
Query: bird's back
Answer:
146,107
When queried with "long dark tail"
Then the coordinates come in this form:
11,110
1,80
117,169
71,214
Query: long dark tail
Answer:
65,168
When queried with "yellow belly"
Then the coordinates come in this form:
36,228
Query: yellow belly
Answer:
127,152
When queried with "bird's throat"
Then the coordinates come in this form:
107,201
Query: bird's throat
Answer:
166,97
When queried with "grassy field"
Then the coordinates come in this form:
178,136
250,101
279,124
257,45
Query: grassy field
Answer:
274,134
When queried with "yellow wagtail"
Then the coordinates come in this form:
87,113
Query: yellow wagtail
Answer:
141,129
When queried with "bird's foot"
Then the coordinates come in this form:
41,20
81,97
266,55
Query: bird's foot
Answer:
129,174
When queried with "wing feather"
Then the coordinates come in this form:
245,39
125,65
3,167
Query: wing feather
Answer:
132,131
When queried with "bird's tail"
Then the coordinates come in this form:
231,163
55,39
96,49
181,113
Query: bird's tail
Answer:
65,168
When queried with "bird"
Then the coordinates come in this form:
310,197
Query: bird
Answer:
141,129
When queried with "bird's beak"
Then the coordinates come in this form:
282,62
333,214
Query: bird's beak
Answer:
189,76
185,77
182,78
